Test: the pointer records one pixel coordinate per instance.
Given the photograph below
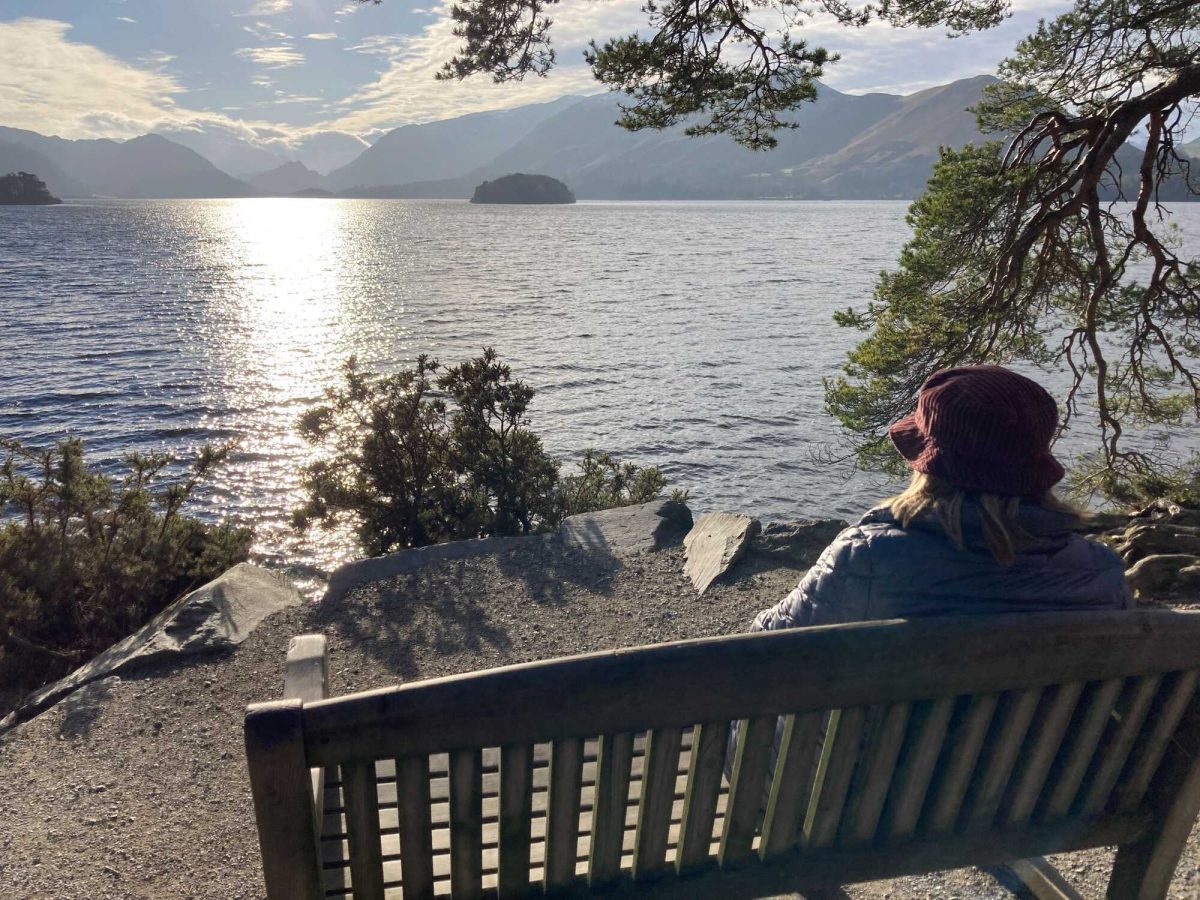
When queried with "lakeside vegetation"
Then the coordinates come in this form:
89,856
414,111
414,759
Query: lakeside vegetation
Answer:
88,558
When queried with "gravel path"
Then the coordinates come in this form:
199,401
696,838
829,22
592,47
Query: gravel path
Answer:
137,787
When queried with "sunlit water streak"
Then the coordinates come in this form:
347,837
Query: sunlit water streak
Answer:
689,335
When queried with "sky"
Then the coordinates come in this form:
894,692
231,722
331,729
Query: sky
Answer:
277,70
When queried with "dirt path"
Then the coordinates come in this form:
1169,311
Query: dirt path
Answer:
136,788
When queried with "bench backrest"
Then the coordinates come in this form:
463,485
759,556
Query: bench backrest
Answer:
906,746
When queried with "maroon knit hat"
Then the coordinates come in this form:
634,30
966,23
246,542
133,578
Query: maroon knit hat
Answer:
982,428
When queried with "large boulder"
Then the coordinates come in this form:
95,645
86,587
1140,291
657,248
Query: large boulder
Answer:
716,542
628,529
797,543
217,616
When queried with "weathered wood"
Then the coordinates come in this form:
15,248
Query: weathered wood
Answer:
283,803
791,786
915,769
562,826
1144,867
747,784
306,678
1117,743
658,795
965,743
999,755
516,799
416,842
1042,880
709,740
1178,695
362,829
839,755
613,764
746,676
870,789
466,824
1098,702
1044,743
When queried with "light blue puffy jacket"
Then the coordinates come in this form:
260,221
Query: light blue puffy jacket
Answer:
878,570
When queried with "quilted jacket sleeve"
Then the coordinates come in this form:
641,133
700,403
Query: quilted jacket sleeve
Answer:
836,589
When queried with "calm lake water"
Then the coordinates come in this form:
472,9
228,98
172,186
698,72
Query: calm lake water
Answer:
687,335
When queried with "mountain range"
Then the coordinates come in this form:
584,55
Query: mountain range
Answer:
846,146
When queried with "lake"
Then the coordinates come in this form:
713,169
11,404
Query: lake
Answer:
687,335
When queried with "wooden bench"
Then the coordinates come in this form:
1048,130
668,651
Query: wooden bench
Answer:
948,743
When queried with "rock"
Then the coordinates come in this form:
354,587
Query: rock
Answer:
797,543
376,568
717,541
1099,523
628,529
217,616
1171,512
1157,539
1161,573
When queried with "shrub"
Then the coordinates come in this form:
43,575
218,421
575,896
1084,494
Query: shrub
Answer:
426,456
86,559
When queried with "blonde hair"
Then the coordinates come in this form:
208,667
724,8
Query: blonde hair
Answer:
1001,529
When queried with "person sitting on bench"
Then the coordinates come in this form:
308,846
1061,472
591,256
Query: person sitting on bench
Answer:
979,529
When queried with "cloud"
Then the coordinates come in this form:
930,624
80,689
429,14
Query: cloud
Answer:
278,57
322,36
127,19
405,90
268,8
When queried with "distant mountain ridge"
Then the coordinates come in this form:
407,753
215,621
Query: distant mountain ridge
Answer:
847,146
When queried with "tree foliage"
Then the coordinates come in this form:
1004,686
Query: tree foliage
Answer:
86,559
1050,244
732,67
430,455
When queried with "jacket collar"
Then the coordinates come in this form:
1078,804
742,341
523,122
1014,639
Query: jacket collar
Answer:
1047,529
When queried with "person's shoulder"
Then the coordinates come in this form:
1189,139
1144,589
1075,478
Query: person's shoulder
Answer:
1096,553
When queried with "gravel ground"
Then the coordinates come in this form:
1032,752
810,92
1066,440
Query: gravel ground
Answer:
137,787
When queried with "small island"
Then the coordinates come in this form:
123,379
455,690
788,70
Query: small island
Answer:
23,189
518,188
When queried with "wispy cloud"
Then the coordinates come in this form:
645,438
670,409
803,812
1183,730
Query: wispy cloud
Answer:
127,19
278,57
268,8
322,36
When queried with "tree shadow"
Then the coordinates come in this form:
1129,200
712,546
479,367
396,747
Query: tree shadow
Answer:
550,569
83,708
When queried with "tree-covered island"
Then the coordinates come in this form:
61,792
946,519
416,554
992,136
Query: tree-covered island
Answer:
520,188
24,189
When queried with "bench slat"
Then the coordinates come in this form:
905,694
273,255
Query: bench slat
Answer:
562,808
515,813
613,765
466,824
999,756
1080,747
1034,766
791,786
416,839
965,742
870,790
362,828
839,755
709,742
747,785
1118,742
914,772
1179,690
658,795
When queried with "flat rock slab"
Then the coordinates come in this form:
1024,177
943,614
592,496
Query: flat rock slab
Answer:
217,616
717,541
628,529
796,543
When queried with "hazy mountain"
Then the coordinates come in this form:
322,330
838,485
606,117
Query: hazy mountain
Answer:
146,166
325,151
444,149
228,152
19,158
1191,148
287,179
